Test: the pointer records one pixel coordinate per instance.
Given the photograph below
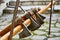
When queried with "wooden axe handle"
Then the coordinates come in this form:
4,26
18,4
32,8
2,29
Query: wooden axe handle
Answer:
7,29
19,27
16,30
45,8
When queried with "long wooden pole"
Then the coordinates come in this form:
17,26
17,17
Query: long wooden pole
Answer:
18,28
14,18
49,32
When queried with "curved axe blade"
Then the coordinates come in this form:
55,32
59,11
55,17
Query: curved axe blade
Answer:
33,26
25,32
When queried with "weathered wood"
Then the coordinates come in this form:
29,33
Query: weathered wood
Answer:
7,29
16,30
45,8
1,1
19,27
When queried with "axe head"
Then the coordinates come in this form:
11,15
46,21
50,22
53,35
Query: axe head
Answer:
24,33
33,26
38,19
41,16
35,10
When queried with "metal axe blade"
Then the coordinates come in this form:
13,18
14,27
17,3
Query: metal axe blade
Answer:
35,10
25,32
33,26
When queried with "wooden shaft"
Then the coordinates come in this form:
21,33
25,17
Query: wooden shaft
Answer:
45,8
8,27
18,28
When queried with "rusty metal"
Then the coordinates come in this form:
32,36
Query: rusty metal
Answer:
39,19
33,26
35,10
25,32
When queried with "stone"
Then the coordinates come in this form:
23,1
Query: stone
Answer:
0,13
39,32
11,10
57,38
42,27
51,38
59,19
56,34
53,22
2,6
5,20
39,38
54,18
58,25
16,37
28,37
54,30
2,20
2,27
52,25
46,25
4,23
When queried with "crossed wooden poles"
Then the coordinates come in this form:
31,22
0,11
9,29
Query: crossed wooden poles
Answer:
6,31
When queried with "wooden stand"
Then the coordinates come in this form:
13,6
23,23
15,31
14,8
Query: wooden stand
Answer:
19,27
